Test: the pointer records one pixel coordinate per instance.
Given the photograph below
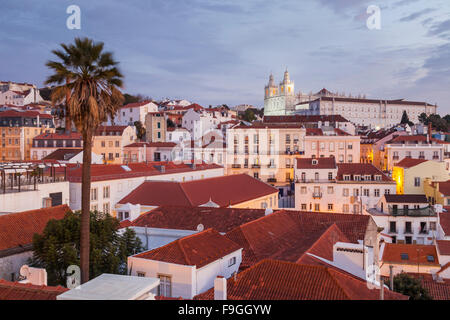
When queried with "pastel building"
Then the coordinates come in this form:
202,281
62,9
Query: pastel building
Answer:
321,184
109,141
410,175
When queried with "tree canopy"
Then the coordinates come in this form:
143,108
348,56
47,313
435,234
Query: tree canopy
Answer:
409,286
59,246
437,123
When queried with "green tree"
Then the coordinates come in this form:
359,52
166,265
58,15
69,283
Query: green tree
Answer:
87,81
59,246
423,118
170,123
249,115
405,119
140,130
409,286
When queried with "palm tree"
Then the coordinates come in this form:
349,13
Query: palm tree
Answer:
91,79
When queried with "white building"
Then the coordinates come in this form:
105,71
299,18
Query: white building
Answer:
407,218
18,94
188,266
323,185
110,183
129,113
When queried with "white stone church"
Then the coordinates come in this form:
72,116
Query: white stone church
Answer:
280,100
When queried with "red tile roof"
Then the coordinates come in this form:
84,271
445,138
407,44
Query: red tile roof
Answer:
137,104
280,280
20,291
199,249
409,162
438,290
188,218
444,221
103,172
17,229
224,191
321,163
304,119
361,169
415,139
63,154
396,101
443,247
417,253
287,235
406,198
110,129
444,187
27,114
151,144
58,136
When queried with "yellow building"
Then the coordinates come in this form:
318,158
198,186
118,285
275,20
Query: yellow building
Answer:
437,192
410,174
17,129
109,141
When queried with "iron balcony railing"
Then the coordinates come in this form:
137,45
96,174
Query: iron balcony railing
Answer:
422,212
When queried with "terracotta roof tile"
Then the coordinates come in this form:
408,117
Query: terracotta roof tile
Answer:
406,198
410,254
102,172
409,162
20,291
17,229
437,290
361,169
287,235
443,247
444,221
224,191
188,218
320,163
280,280
197,250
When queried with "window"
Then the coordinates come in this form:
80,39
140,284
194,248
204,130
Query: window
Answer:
232,262
117,144
330,190
376,192
430,258
366,192
303,190
94,194
417,182
345,208
106,192
140,274
303,206
408,240
165,286
106,208
432,225
345,192
404,256
387,191
330,175
392,227
316,206
346,177
330,207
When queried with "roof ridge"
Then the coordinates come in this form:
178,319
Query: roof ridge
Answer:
332,273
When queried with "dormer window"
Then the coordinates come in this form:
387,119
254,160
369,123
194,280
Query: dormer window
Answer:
367,177
357,177
377,177
346,177
314,161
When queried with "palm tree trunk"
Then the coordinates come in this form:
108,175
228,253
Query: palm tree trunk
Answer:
68,121
85,205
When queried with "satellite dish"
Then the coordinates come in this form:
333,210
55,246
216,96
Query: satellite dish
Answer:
200,227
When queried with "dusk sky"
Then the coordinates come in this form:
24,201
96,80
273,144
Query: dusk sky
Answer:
213,52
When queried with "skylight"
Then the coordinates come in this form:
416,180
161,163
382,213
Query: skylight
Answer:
126,168
404,256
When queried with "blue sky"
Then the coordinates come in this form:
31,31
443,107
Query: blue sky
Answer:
214,52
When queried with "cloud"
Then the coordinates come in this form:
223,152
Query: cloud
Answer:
416,15
440,28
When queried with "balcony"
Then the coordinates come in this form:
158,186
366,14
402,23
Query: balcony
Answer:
256,166
393,230
408,230
314,181
236,166
317,195
271,180
423,231
423,212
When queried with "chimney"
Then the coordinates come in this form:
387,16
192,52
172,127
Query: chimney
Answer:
220,288
35,276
